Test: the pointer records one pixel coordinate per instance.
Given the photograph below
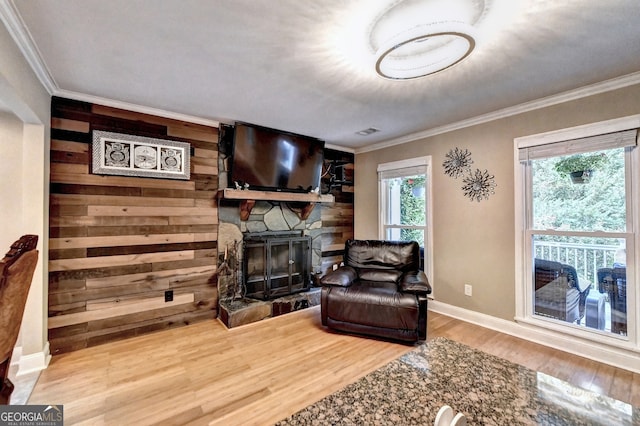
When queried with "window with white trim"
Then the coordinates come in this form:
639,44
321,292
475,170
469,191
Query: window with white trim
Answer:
577,233
404,201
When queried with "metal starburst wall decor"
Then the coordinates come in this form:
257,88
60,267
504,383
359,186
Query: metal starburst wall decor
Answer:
457,163
478,185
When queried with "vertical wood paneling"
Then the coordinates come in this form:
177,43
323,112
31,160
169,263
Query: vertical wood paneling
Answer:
118,243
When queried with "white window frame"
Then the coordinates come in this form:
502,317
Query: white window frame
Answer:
524,305
428,226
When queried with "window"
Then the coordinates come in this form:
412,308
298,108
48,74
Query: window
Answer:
576,230
404,198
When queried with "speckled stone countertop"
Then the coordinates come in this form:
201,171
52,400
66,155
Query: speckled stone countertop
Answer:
488,390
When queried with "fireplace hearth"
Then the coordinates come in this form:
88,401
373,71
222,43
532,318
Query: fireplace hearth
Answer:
276,264
239,312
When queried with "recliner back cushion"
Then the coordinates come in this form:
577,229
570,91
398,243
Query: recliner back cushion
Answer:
377,254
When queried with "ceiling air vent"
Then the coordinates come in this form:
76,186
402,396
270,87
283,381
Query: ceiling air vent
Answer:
367,132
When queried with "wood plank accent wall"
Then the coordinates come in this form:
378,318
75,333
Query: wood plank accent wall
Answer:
118,243
337,218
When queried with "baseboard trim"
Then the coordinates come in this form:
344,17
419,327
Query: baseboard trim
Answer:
34,362
617,357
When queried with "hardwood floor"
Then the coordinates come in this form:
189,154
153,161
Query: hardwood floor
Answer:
260,373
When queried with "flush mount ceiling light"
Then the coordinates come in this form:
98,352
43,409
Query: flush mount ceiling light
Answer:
367,132
416,38
424,49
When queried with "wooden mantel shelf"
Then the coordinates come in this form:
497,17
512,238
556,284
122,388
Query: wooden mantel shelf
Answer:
248,199
249,194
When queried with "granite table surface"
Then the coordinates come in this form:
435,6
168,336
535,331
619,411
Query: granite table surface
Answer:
488,390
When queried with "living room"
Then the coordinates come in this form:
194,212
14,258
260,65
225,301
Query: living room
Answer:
473,242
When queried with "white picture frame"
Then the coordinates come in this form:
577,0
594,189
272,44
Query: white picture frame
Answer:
139,156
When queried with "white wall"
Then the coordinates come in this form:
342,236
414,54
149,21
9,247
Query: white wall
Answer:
24,149
11,148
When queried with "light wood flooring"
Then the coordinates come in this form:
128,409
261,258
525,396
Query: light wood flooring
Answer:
260,373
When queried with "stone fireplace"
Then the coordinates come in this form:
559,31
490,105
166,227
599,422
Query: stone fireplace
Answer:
266,219
286,252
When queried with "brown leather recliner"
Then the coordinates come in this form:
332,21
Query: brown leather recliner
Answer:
379,291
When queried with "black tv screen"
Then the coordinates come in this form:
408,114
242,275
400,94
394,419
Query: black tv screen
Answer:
273,160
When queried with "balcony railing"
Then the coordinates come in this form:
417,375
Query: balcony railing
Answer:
586,258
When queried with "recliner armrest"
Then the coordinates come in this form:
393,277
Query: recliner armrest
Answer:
344,276
415,282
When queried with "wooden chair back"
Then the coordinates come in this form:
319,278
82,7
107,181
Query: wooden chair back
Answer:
16,273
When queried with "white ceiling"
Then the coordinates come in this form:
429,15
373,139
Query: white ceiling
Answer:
284,63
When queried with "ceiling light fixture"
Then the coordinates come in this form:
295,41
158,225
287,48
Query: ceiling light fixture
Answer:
424,50
367,132
415,38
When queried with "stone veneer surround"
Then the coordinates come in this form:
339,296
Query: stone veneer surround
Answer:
266,216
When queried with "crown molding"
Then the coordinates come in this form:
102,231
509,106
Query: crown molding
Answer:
21,36
135,108
583,92
340,148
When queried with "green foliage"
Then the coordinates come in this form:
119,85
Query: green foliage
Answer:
595,206
581,162
412,208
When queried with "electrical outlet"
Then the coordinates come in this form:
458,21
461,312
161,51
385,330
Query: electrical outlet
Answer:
468,290
168,296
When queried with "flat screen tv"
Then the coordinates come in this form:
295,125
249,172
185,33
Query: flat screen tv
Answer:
273,160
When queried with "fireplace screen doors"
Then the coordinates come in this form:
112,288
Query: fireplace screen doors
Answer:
276,265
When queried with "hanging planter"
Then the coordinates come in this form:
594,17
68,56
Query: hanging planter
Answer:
580,167
581,176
